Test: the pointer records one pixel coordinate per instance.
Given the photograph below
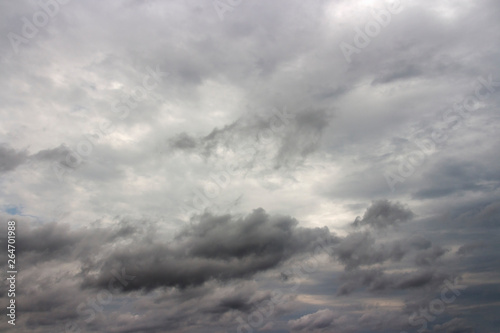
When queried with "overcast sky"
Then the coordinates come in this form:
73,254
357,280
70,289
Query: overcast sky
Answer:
251,166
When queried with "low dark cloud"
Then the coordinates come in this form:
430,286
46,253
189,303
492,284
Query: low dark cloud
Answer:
382,214
206,268
360,248
217,248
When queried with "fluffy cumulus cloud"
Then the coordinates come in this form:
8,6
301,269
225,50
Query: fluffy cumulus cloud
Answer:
237,166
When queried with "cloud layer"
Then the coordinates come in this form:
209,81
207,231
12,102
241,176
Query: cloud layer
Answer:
236,166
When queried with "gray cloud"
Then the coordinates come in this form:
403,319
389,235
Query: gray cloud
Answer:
217,248
10,158
321,319
375,280
54,154
470,247
382,214
259,109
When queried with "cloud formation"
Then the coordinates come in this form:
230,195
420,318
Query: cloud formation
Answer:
139,139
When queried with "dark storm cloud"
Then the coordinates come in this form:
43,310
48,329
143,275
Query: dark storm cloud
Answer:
217,248
382,214
367,249
50,240
364,249
360,248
